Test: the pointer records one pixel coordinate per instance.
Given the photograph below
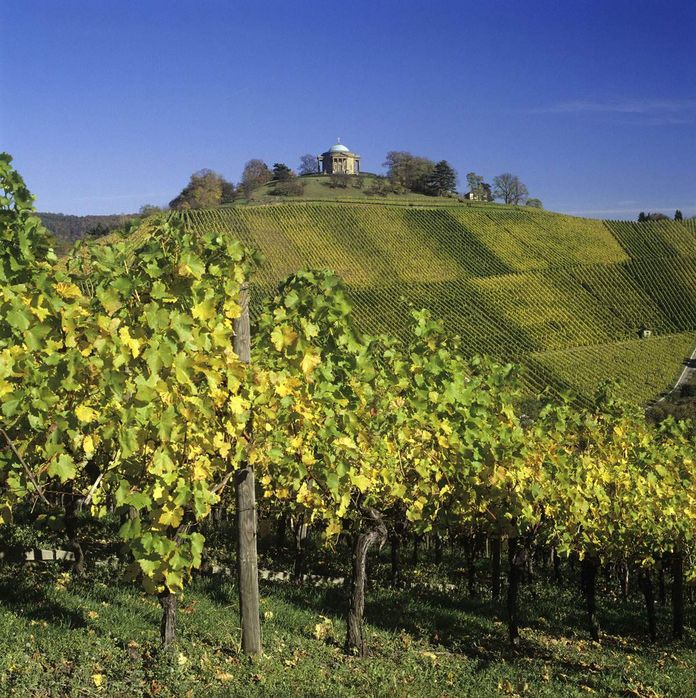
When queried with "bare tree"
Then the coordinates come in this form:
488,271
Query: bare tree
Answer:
474,182
308,165
510,189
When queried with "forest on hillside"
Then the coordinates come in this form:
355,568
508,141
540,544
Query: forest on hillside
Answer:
67,229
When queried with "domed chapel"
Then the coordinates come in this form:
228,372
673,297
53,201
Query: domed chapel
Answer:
339,160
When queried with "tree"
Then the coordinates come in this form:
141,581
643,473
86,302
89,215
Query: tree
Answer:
510,189
205,189
408,170
281,172
678,216
228,192
534,203
98,231
475,184
150,210
641,217
254,175
308,165
480,189
442,180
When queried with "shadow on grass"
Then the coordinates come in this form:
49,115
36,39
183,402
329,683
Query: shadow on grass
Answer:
477,627
27,598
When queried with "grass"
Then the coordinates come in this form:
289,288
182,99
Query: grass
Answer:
99,636
318,188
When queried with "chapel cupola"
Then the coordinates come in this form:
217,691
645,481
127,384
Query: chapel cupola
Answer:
339,160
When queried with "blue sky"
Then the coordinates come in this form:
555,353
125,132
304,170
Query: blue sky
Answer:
109,105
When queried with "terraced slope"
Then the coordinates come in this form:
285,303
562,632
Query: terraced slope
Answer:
564,296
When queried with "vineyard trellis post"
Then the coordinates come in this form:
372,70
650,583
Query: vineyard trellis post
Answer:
247,563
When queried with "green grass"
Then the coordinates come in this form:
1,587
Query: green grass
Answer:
523,285
318,188
57,635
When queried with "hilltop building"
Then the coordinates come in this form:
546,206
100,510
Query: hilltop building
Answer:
339,160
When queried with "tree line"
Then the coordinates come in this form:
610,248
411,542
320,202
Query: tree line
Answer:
405,173
422,175
657,216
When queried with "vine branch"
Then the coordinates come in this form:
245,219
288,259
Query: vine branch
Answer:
27,470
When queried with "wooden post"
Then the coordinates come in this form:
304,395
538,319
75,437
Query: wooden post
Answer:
588,582
495,567
678,594
247,564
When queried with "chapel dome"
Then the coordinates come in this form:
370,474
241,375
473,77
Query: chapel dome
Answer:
338,148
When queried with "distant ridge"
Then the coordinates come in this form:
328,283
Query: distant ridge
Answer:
68,228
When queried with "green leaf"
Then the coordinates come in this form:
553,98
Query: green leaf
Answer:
62,467
110,300
19,319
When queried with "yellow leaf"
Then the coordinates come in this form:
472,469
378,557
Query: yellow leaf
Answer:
132,343
346,442
308,458
181,659
361,482
67,290
220,445
171,515
205,310
98,680
333,528
283,337
311,360
40,312
201,468
85,414
88,445
324,629
237,405
92,614
284,388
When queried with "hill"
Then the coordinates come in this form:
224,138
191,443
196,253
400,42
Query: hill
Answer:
566,297
362,188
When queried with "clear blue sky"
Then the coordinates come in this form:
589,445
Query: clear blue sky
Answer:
107,105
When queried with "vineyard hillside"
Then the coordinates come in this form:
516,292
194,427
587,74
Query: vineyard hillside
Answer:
565,297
